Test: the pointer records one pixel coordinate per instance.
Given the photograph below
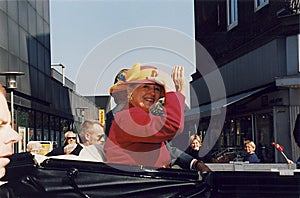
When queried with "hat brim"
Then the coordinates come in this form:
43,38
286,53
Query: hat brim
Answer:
122,86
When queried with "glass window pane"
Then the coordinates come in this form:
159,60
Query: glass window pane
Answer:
232,13
30,134
39,125
52,135
45,127
264,136
258,4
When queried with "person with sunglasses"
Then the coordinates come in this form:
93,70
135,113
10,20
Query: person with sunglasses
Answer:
70,146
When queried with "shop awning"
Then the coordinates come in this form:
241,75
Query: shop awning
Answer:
214,106
288,81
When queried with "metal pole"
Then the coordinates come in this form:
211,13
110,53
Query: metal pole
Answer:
63,74
12,108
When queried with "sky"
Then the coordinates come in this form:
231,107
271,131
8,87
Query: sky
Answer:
95,39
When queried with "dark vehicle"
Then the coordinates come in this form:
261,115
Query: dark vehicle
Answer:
72,178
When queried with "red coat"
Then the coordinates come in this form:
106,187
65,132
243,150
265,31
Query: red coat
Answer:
137,137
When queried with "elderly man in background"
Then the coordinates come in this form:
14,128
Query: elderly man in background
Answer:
91,135
91,138
91,132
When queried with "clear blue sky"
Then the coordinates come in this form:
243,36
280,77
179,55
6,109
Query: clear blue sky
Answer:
94,39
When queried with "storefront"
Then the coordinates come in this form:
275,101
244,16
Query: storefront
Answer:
37,120
34,125
263,115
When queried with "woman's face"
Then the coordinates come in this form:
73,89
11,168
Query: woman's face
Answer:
145,95
195,145
249,149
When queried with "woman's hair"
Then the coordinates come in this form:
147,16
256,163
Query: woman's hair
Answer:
195,137
251,143
34,146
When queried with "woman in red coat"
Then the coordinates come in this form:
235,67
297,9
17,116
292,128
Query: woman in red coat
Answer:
136,136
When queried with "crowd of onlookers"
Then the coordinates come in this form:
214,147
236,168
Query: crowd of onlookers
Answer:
88,145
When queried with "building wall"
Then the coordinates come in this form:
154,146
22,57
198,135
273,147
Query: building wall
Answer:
254,69
255,28
263,46
25,44
82,108
44,108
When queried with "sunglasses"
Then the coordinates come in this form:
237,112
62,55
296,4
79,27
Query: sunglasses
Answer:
68,138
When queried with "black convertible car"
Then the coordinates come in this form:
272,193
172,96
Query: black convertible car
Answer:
72,178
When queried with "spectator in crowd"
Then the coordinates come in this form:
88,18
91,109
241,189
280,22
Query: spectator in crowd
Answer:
90,148
34,147
250,147
194,148
70,146
8,136
146,143
91,134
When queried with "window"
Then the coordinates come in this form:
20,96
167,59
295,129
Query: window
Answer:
264,136
258,4
232,14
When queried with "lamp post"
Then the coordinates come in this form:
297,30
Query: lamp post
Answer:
11,83
62,71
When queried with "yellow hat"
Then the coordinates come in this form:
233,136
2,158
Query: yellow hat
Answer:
136,75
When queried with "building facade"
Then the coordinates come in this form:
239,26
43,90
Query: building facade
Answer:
45,106
254,45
